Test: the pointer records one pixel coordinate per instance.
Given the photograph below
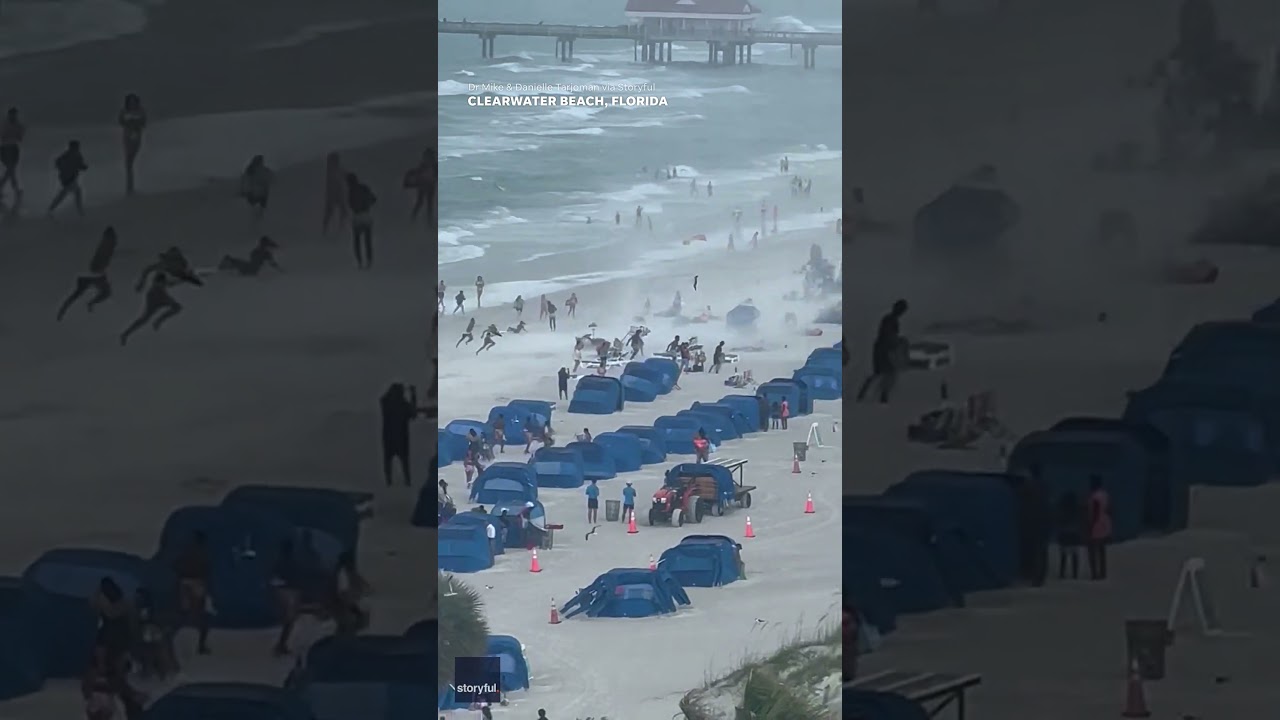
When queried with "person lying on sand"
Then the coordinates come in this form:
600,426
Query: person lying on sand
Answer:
259,257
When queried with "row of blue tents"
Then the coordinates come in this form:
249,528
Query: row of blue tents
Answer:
47,627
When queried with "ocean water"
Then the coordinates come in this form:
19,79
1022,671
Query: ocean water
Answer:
518,184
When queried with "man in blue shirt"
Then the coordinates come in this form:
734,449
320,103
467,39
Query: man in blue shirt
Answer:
593,502
628,501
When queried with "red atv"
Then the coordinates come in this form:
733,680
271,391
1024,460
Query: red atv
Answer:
676,505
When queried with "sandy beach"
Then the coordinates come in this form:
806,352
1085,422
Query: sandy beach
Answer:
1038,109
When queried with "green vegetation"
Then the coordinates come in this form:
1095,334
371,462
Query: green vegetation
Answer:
464,632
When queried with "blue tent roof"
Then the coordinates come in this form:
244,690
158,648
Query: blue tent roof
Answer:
775,391
718,425
505,482
228,701
742,316
703,561
515,534
900,570
1268,314
688,424
61,581
1217,438
543,409
1232,353
624,448
830,358
451,446
722,476
598,395
392,659
628,592
514,421
676,434
243,543
824,383
330,515
983,505
749,405
741,422
463,547
639,389
512,662
670,370
558,467
598,463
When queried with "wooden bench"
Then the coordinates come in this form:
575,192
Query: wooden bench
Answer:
934,691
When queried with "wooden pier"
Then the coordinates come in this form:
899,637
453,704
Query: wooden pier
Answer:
723,48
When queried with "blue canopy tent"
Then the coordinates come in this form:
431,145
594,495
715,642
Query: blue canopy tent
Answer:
753,406
830,358
905,568
59,585
378,677
1219,435
875,705
463,428
806,396
639,389
22,647
628,592
1267,314
484,520
243,543
229,701
653,449
742,317
1231,353
1067,460
655,375
722,476
542,410
670,370
961,559
1168,498
515,533
559,467
677,434
741,422
452,447
704,561
717,424
824,383
513,422
597,462
983,505
443,454
328,521
505,483
511,662
463,547
775,391
625,450
598,395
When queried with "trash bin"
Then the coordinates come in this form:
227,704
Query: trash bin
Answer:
1146,641
612,510
800,449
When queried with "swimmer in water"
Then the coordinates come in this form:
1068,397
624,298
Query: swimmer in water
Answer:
159,307
261,256
133,121
335,191
487,336
467,337
96,278
172,263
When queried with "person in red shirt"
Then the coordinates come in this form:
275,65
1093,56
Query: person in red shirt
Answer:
785,412
701,447
1099,528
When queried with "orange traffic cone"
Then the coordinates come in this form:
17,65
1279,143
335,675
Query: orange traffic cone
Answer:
533,562
808,504
631,524
750,532
1135,704
795,464
653,564
555,614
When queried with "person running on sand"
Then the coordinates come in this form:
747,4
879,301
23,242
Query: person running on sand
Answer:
132,121
467,337
422,180
12,132
159,307
542,307
487,337
571,305
96,279
551,315
458,303
440,291
360,199
261,256
335,191
884,354
255,185
479,289
69,165
519,306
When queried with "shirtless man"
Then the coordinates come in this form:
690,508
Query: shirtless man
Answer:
96,279
158,309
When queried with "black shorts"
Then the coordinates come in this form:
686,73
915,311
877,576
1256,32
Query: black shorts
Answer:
593,504
10,154
258,201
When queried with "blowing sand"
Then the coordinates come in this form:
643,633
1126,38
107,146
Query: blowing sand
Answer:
1036,92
